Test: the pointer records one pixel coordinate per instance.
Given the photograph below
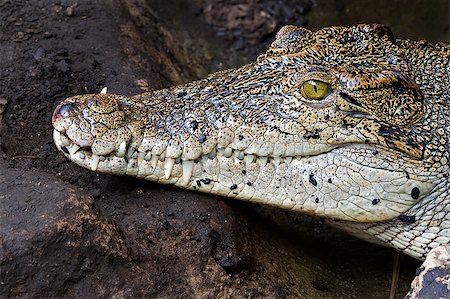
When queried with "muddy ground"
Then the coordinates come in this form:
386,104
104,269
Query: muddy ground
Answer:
65,231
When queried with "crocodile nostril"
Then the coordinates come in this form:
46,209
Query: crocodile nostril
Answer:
63,111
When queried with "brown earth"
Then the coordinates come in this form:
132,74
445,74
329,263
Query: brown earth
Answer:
68,232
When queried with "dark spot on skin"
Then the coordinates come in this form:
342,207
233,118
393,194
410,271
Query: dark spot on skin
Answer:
330,181
415,193
64,149
195,187
317,200
241,137
311,135
376,201
201,138
249,183
205,181
234,186
199,183
312,180
407,218
194,125
326,117
244,171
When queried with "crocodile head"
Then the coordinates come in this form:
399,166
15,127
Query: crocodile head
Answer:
346,123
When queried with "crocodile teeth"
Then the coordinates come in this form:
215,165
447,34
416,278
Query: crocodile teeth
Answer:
148,156
227,152
288,160
130,152
104,90
276,160
262,160
154,161
238,154
162,157
168,166
249,158
122,149
241,156
188,168
65,141
140,158
212,155
94,162
73,149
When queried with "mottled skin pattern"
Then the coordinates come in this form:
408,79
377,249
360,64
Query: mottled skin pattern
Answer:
346,123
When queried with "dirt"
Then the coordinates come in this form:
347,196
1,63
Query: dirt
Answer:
68,232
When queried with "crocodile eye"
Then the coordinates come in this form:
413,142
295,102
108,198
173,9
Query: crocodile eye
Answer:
315,89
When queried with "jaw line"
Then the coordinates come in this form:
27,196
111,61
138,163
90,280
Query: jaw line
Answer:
84,157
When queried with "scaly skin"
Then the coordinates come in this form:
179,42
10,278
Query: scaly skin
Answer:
370,154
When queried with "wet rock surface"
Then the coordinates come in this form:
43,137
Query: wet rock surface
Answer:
433,277
68,232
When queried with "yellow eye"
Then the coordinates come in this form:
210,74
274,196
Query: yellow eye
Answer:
315,89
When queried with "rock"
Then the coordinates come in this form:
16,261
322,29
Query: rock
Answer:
51,235
433,277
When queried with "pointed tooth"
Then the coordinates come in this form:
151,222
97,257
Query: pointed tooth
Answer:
81,155
140,158
212,154
154,161
288,160
241,156
130,152
148,156
228,152
178,160
104,90
57,137
262,160
188,168
249,158
162,157
168,166
102,158
122,149
94,162
277,160
220,151
73,149
65,141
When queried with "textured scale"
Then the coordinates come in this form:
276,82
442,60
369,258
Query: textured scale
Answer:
370,155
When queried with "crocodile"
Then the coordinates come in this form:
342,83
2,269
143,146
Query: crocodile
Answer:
348,124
